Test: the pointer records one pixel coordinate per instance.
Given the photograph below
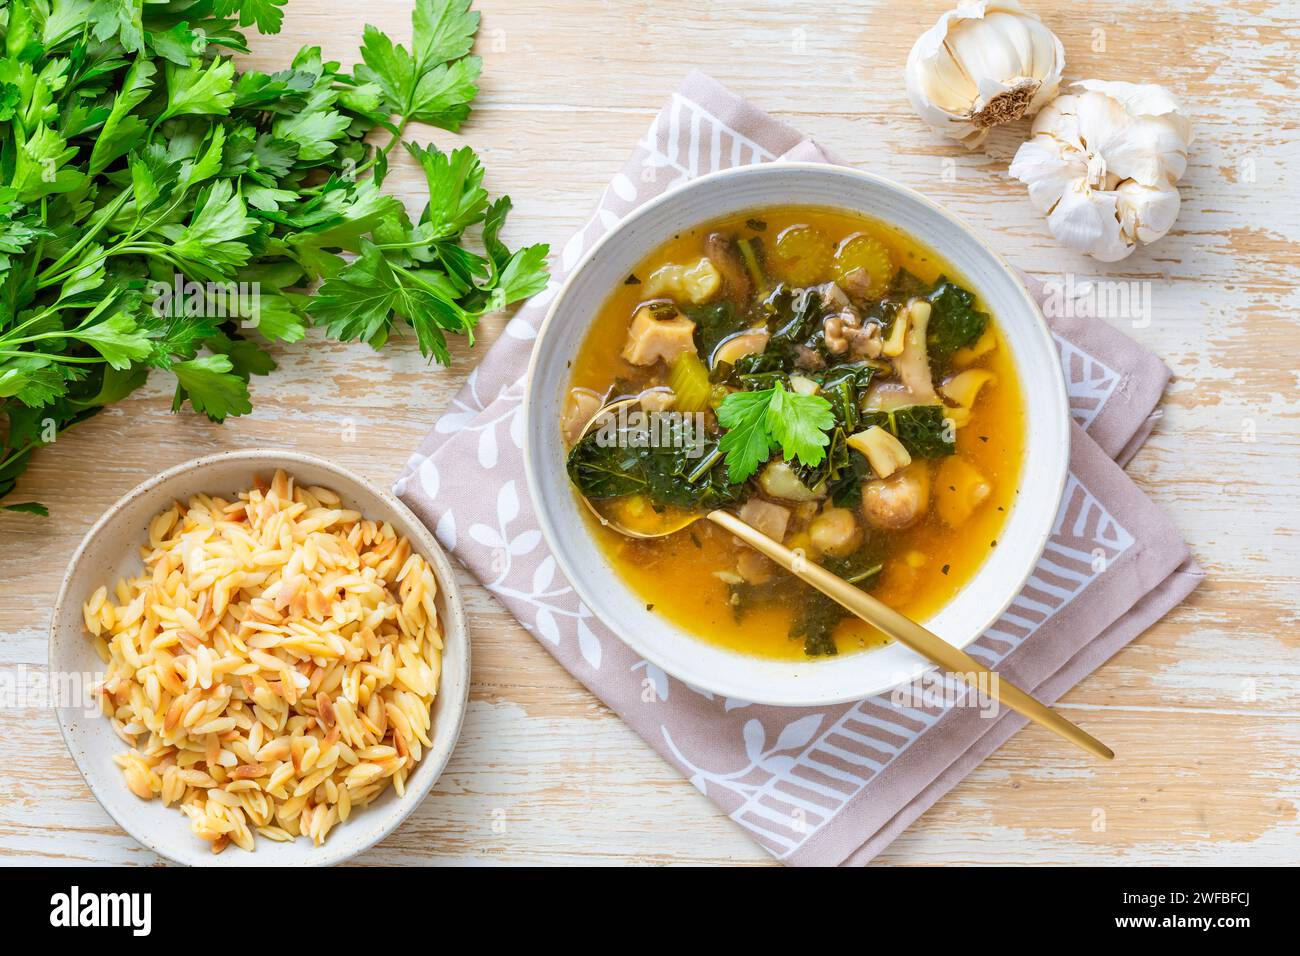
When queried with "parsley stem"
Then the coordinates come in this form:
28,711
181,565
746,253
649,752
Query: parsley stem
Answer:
397,137
125,247
74,360
19,453
136,232
36,338
413,244
39,251
35,318
87,321
374,158
110,211
433,290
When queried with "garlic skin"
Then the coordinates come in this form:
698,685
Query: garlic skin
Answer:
986,63
1102,164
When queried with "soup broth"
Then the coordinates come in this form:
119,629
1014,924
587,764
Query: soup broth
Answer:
895,345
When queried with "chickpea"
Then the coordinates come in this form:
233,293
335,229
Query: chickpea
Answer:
835,533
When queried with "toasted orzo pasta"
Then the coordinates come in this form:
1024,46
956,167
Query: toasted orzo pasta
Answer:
274,666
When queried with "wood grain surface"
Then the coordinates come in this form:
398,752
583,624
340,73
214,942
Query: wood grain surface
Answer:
1203,709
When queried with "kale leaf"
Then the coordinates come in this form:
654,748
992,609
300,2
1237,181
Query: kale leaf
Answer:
924,430
816,616
844,386
604,466
955,323
820,616
793,319
815,624
713,323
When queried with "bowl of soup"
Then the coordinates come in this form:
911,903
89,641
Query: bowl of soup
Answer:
838,361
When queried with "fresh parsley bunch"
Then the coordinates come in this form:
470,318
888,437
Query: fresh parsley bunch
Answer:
135,157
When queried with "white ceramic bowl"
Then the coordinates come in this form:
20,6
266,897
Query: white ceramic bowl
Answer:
110,551
849,676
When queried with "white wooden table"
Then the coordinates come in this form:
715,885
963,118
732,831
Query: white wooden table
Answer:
1204,709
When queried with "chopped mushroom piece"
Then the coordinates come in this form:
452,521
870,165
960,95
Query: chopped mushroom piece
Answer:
658,399
844,332
778,480
865,343
808,359
753,567
650,339
721,251
802,385
579,407
833,329
833,297
739,345
858,284
885,452
894,503
766,517
913,365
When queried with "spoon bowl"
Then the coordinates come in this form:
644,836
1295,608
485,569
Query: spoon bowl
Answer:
642,520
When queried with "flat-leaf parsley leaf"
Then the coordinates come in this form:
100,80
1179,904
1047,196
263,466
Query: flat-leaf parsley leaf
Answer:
761,422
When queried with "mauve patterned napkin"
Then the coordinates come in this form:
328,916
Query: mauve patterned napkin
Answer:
824,785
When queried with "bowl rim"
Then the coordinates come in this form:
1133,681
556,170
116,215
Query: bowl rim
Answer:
722,685
454,620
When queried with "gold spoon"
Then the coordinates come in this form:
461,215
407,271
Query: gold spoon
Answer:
875,612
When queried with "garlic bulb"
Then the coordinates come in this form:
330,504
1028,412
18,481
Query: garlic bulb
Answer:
986,63
1102,163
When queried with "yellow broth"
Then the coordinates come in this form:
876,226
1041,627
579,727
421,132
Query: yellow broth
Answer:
925,565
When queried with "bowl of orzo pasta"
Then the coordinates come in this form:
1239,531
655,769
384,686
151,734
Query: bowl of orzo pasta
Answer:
261,658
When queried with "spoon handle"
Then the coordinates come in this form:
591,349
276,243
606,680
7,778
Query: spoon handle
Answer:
910,634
